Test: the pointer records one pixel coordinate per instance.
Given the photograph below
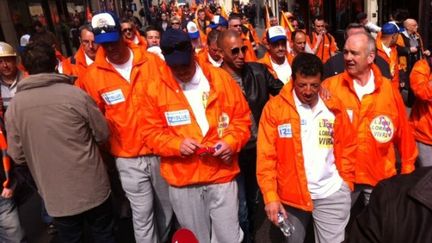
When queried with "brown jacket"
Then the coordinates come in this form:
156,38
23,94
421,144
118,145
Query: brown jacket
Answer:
54,127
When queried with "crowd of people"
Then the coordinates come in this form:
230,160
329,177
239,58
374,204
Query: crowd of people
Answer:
204,133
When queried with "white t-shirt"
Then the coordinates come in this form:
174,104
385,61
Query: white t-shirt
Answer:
197,92
8,92
317,131
88,60
283,71
124,69
386,49
367,89
213,62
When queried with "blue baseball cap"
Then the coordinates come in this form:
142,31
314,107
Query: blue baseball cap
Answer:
106,27
176,47
192,30
389,28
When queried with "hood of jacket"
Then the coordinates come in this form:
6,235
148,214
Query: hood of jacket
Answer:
43,80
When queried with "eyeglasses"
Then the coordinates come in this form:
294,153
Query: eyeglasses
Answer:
181,46
127,30
174,23
236,51
105,29
87,42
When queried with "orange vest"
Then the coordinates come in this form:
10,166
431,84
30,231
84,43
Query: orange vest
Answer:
381,124
169,119
421,113
76,65
326,48
280,167
393,62
121,101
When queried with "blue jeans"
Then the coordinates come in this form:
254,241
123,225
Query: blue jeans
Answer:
10,227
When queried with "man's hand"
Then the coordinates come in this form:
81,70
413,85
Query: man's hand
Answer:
272,209
427,53
7,193
189,146
223,151
413,49
324,93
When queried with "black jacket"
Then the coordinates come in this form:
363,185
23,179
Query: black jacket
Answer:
258,85
400,210
336,65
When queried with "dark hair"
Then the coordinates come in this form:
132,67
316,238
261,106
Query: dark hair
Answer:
39,57
306,64
151,28
212,36
319,18
234,16
85,27
294,34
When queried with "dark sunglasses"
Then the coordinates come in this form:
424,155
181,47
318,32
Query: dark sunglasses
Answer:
181,46
127,30
105,29
236,51
173,23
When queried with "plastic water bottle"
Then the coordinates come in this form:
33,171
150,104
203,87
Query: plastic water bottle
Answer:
285,225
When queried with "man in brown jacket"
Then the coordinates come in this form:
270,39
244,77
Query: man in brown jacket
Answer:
55,128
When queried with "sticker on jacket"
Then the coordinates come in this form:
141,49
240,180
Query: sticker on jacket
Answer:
223,122
177,118
113,97
382,129
285,131
325,133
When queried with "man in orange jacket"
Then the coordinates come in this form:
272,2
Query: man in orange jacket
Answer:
421,113
210,54
377,113
386,48
77,64
116,82
197,121
306,154
277,60
322,43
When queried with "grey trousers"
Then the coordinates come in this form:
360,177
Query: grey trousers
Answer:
425,154
148,195
330,217
209,211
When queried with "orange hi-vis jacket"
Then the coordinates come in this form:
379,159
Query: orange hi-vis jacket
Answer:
325,49
381,124
75,65
421,113
122,102
250,55
393,62
5,160
169,119
280,166
267,62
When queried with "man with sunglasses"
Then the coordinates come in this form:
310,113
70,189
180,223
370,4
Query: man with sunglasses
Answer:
116,82
131,34
77,64
277,60
258,85
234,23
197,120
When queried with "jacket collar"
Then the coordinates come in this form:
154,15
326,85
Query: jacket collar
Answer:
333,104
101,62
422,191
349,81
42,80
